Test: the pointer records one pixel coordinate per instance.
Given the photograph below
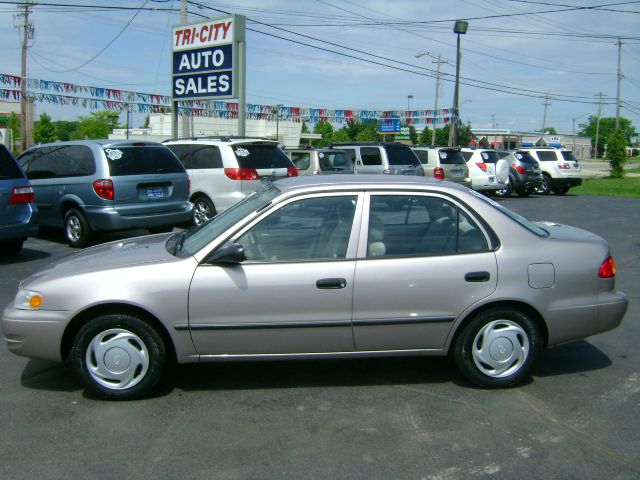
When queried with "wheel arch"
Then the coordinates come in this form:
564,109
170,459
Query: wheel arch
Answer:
522,307
74,326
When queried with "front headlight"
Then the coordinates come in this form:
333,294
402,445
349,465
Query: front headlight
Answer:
28,300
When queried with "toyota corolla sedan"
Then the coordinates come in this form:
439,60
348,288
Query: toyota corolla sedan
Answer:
313,267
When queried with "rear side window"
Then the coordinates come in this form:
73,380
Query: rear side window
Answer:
335,161
370,156
422,155
197,157
351,152
59,161
401,155
133,160
8,167
489,156
547,156
260,155
302,160
524,157
567,155
451,157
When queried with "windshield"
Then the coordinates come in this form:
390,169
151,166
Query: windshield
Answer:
533,228
489,156
197,238
401,155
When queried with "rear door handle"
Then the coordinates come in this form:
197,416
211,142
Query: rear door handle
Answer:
331,283
477,277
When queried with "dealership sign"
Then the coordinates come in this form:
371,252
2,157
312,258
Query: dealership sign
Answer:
205,59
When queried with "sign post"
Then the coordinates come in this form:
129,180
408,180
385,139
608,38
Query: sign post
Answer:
209,63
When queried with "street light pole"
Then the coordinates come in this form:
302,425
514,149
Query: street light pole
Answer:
409,97
459,28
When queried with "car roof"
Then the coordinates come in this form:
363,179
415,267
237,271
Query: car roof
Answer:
101,142
365,181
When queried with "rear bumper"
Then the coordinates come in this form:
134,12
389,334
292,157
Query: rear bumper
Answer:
109,218
526,182
566,181
26,227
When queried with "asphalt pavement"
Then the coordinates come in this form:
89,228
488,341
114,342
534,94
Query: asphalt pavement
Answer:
411,418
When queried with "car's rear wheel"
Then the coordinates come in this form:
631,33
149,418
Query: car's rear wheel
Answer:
119,356
545,186
506,191
498,348
76,229
203,210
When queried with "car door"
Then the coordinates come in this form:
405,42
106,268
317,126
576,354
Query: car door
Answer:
292,294
422,262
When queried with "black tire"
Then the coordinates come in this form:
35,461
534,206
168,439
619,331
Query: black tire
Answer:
506,191
11,248
203,210
130,342
524,192
545,186
560,190
77,229
498,348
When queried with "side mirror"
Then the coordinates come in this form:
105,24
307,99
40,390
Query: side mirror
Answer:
232,254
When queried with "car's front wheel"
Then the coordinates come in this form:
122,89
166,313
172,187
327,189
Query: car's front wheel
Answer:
76,229
497,348
119,356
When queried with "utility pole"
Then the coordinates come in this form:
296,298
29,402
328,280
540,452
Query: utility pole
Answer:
185,117
544,118
619,81
27,34
493,120
438,62
595,154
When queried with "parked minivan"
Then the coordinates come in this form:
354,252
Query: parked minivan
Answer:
388,158
18,211
320,161
88,186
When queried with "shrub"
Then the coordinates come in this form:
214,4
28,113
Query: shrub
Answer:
617,153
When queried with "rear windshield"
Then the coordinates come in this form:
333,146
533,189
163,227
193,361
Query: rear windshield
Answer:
489,156
260,155
547,156
524,157
451,157
401,155
332,161
567,155
126,160
8,167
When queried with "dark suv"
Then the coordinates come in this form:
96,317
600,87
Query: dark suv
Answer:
524,173
88,186
18,212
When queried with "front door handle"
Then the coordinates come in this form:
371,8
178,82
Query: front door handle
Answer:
331,283
477,277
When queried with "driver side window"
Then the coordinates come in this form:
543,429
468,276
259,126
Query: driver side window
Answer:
305,230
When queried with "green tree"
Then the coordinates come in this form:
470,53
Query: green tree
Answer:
442,136
607,128
425,136
367,132
413,134
96,125
305,128
341,135
63,129
14,125
549,130
326,130
44,130
617,152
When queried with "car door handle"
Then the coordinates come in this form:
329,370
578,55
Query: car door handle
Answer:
331,283
477,277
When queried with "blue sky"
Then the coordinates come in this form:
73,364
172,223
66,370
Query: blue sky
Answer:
536,54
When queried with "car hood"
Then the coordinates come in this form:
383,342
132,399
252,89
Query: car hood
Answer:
109,256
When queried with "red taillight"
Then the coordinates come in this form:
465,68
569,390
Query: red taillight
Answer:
438,172
564,166
608,268
188,186
292,172
519,169
242,173
104,188
21,195
482,166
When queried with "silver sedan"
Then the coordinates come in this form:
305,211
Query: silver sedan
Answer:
319,267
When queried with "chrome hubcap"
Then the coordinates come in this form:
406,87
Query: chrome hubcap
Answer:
500,348
74,229
117,359
201,213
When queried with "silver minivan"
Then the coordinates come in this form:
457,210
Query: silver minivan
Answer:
87,186
320,161
388,158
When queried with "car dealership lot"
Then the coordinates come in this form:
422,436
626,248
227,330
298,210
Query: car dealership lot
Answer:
389,418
